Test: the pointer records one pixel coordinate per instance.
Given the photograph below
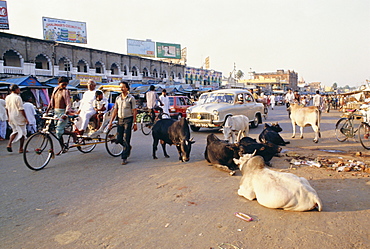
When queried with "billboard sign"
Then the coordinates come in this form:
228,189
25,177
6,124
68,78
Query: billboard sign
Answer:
4,22
141,48
168,50
64,30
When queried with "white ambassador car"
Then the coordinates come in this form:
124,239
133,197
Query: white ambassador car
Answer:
223,103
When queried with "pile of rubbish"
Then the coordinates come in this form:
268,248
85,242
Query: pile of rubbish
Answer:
338,164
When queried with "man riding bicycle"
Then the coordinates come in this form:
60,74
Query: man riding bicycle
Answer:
151,102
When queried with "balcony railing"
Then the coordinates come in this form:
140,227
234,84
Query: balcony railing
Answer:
43,72
13,70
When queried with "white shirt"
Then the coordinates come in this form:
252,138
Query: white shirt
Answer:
87,101
166,103
151,99
14,104
289,97
30,111
99,104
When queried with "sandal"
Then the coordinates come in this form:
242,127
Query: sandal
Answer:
9,149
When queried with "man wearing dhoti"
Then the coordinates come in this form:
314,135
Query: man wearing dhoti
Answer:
17,118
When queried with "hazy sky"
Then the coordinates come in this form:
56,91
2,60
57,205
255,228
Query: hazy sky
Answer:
321,40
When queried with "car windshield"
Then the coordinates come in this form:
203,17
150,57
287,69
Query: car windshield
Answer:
220,98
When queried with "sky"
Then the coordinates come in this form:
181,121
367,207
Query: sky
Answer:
323,41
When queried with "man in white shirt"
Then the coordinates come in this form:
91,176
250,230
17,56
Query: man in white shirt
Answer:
166,103
30,111
86,109
17,118
151,101
289,97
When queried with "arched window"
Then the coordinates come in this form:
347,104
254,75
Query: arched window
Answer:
42,62
99,68
164,74
12,59
145,72
114,69
82,66
125,70
155,73
64,64
134,71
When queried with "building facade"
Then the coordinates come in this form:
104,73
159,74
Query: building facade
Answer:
203,78
21,55
274,81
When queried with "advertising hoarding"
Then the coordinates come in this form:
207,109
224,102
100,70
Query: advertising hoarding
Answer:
140,48
4,22
64,30
168,50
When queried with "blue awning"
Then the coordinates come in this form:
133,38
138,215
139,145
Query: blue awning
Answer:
27,81
69,87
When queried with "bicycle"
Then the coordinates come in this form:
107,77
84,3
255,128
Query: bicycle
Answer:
345,129
39,147
145,119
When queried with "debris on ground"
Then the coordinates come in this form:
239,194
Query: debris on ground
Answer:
243,216
338,164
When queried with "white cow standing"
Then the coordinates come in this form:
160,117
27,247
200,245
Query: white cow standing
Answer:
237,123
305,116
274,189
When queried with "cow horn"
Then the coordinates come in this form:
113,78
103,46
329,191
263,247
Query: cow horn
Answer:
191,139
254,153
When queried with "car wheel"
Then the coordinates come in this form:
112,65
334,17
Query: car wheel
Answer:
194,128
255,122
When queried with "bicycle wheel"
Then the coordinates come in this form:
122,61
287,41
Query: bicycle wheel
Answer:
85,145
343,129
146,124
111,143
364,135
38,151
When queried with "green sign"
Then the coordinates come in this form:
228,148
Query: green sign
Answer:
168,50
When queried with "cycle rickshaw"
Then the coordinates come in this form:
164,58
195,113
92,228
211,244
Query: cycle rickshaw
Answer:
39,148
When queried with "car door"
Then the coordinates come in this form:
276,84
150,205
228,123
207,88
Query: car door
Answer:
240,105
249,105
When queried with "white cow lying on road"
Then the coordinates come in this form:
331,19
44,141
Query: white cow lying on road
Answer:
274,189
305,116
237,123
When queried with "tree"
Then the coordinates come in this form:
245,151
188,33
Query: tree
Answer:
335,85
239,74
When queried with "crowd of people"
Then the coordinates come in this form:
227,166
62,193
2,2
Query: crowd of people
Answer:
325,102
19,113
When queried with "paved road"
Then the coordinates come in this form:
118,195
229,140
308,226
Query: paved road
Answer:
92,201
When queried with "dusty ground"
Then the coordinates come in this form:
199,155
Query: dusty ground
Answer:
91,201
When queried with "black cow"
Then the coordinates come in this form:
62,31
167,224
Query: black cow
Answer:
221,152
267,151
271,134
171,132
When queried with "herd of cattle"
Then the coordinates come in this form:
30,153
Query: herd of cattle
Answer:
271,188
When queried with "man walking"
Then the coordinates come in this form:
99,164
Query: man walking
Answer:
317,100
125,109
166,102
17,118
